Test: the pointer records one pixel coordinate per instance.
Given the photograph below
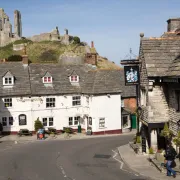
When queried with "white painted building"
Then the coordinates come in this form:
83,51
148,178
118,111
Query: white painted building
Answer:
59,97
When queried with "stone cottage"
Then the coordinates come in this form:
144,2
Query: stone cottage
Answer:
159,87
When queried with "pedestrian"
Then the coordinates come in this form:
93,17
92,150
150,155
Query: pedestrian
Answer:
170,155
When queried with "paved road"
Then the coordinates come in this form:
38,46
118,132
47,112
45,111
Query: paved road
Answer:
86,159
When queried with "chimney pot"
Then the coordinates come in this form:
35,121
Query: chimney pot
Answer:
173,25
92,44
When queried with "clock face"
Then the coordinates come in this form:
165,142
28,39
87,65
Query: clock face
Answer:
131,76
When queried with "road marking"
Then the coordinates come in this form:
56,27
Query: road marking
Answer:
114,157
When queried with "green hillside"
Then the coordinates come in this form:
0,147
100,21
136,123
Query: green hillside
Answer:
49,52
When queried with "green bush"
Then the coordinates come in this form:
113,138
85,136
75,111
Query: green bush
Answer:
21,41
68,130
76,40
138,139
15,58
151,151
166,132
38,124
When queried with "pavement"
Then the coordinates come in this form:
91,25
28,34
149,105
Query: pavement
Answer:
77,159
140,164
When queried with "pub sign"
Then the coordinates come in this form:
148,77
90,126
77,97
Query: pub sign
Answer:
131,74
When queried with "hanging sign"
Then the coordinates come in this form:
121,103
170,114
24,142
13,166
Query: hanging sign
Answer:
131,74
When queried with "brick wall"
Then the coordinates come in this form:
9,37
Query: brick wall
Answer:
130,103
91,58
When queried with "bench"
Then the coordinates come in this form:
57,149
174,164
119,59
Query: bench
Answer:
51,130
24,132
135,147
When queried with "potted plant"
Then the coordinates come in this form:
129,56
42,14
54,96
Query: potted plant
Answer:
89,131
151,153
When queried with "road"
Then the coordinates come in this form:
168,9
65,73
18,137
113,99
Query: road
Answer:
85,159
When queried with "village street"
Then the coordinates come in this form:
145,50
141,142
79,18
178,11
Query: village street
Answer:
84,159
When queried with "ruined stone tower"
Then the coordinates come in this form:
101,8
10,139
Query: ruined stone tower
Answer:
6,35
17,23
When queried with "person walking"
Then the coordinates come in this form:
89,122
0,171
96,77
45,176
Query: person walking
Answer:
170,156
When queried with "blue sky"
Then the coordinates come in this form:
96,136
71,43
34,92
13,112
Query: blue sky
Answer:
113,25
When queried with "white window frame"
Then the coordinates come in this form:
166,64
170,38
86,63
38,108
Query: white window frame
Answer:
76,100
8,77
48,121
8,119
5,101
51,102
46,82
71,79
74,119
104,126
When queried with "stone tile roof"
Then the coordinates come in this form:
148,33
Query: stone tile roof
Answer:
160,53
28,81
21,86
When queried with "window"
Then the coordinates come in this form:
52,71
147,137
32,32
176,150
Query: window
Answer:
51,121
10,121
22,120
8,102
4,121
102,123
47,79
74,120
70,121
76,100
87,100
8,80
90,121
50,102
44,121
48,121
74,78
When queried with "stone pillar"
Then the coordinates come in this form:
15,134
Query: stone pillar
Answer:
17,24
154,139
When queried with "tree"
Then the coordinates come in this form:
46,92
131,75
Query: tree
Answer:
76,40
166,133
38,124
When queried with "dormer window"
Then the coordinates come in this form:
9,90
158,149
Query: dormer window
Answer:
74,78
8,79
47,79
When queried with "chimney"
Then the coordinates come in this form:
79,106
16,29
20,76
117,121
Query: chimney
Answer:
173,25
92,44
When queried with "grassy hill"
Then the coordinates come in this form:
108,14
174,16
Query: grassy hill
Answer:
49,51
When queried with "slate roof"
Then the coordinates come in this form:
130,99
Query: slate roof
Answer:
160,54
28,81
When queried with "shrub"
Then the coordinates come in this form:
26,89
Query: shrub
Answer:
67,130
151,151
38,124
176,140
22,40
138,139
76,40
166,132
15,58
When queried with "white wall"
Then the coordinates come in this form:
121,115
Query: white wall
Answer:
34,107
108,108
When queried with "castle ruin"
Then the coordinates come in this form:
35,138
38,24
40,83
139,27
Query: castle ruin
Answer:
6,34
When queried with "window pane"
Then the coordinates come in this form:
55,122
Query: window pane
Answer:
76,120
49,79
44,121
45,79
50,121
4,121
10,121
70,121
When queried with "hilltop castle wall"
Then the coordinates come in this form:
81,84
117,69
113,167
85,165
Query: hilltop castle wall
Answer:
6,35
